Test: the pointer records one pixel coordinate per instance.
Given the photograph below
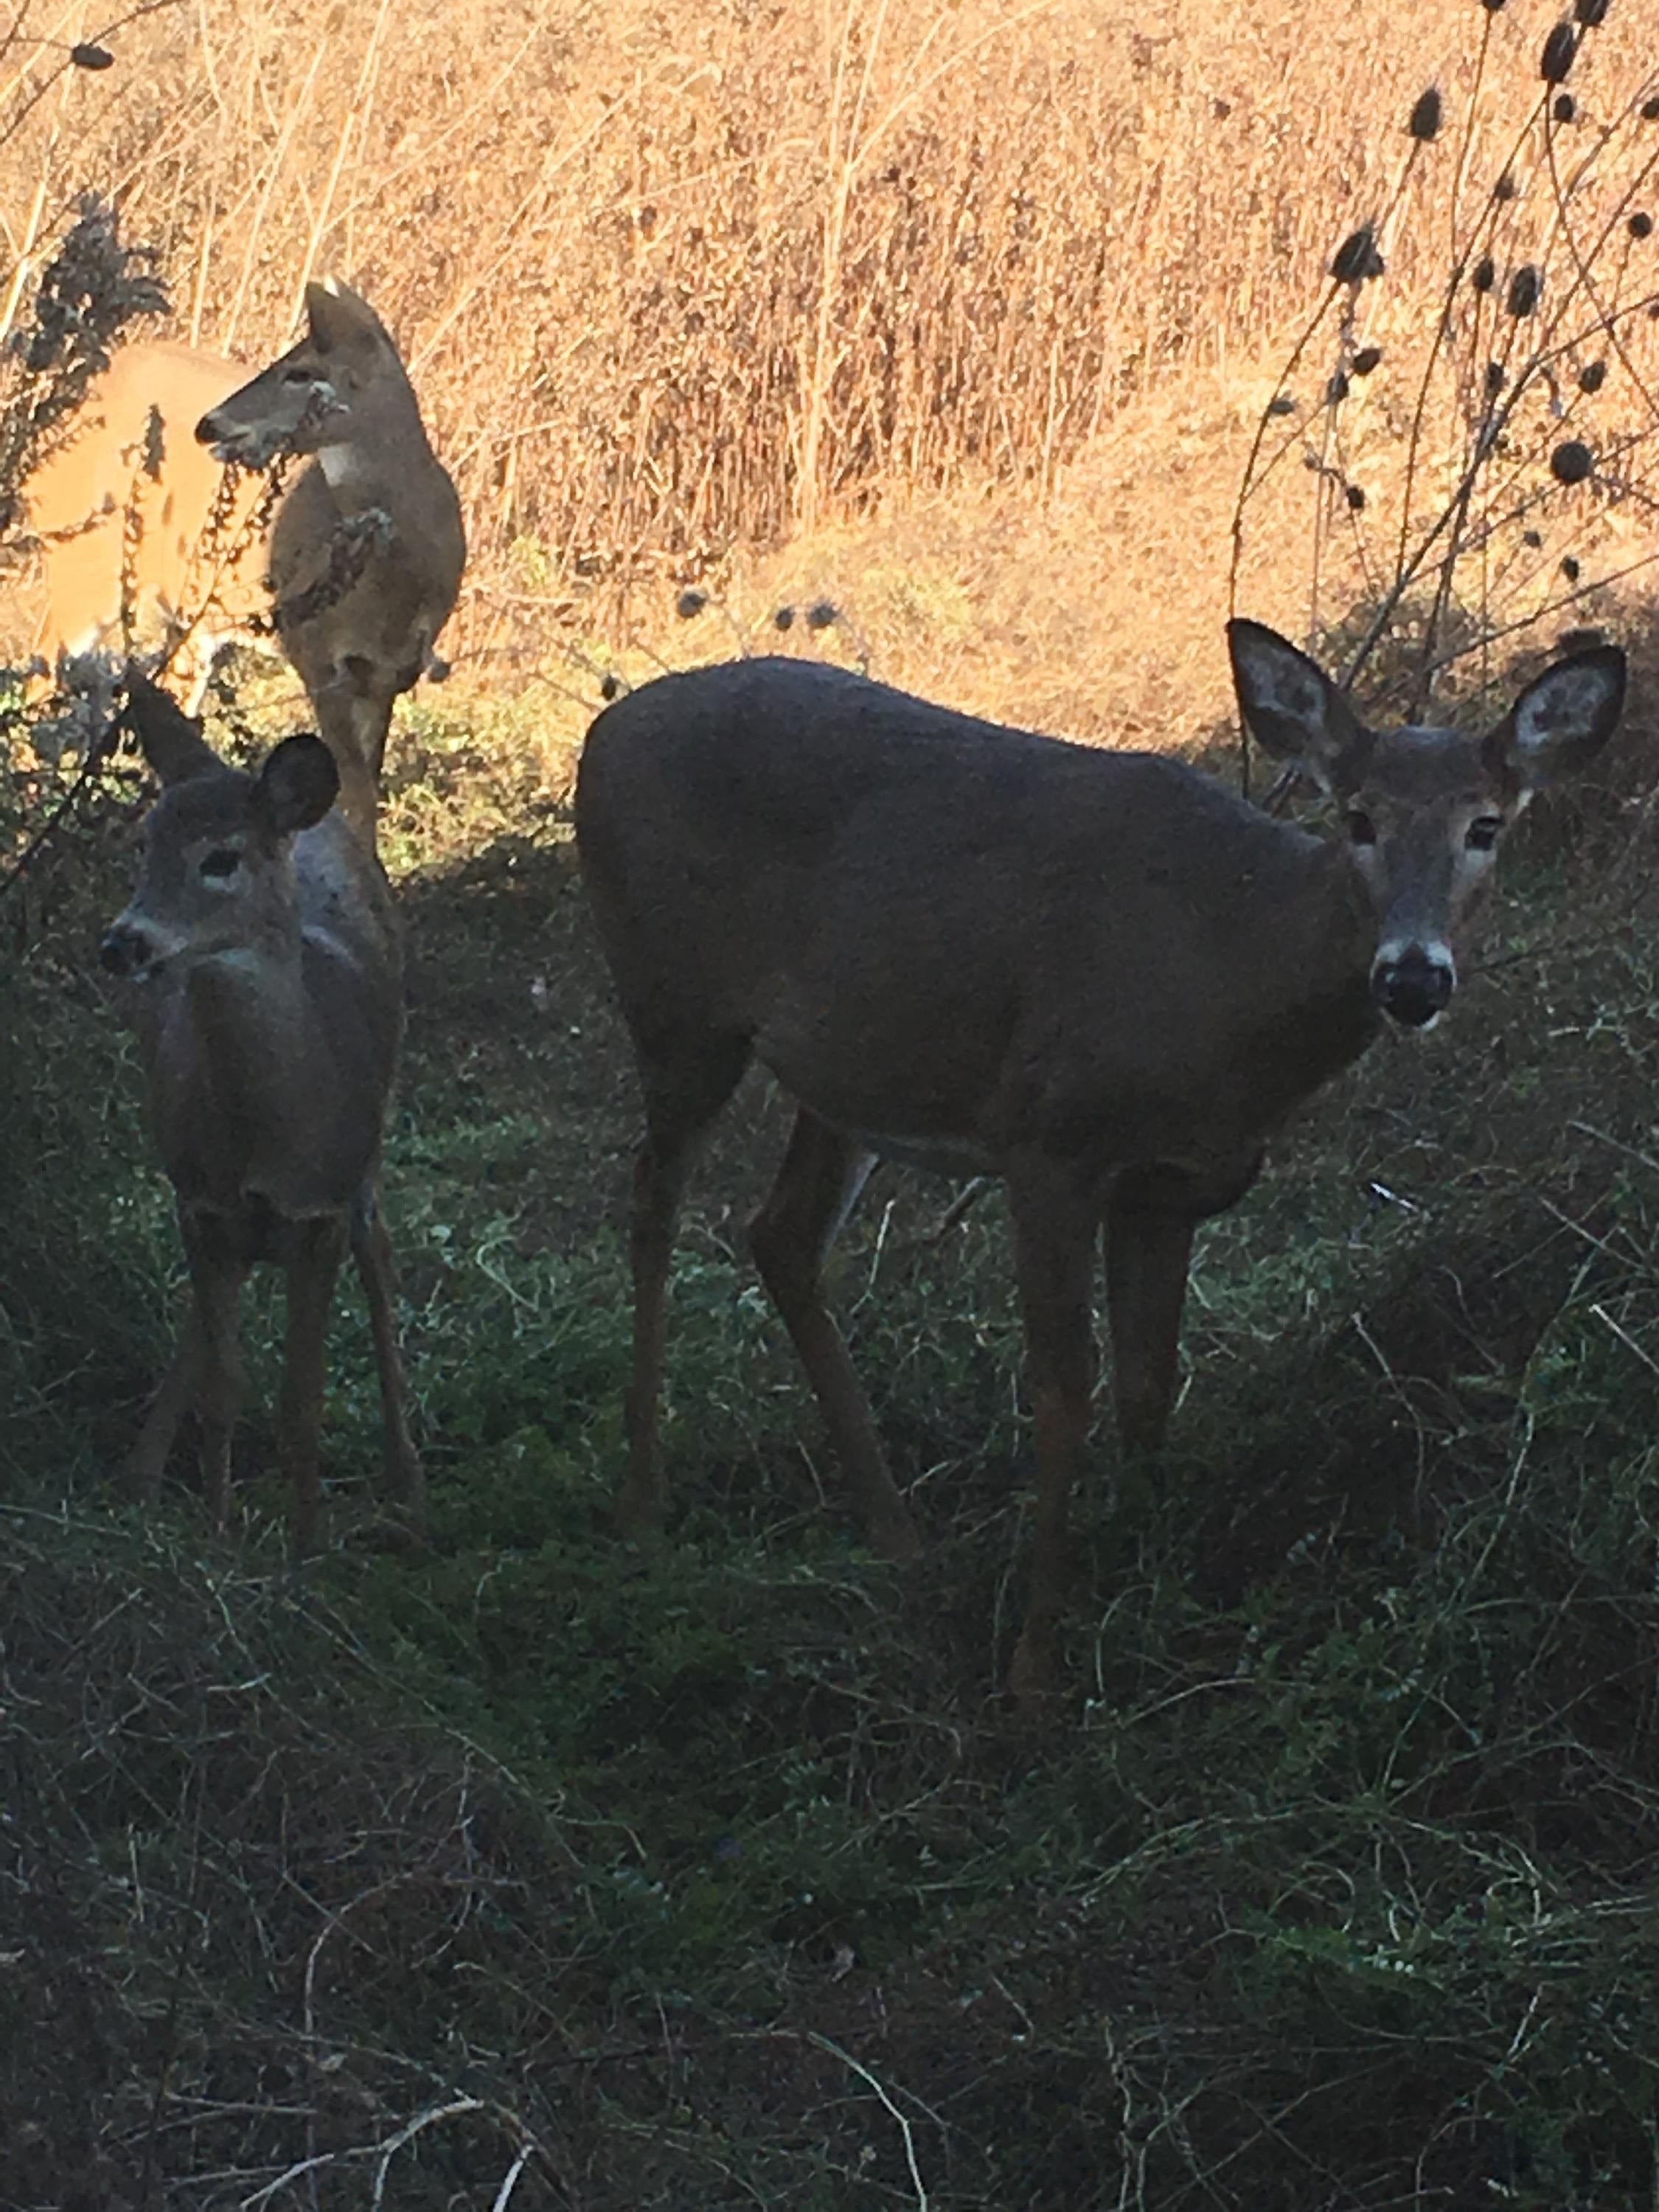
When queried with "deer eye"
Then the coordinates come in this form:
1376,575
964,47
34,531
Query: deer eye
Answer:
1483,832
1362,830
221,863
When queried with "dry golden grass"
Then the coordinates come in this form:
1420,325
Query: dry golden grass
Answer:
963,314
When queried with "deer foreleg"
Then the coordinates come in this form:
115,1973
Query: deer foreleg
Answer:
206,1370
1150,1222
1147,1255
371,1247
311,1277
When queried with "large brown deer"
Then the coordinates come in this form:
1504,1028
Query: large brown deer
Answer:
267,967
122,511
1096,975
367,547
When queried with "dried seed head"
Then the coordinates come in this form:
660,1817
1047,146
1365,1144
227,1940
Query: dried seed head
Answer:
1641,224
1355,497
1592,376
821,614
1424,122
1590,13
1524,288
1505,188
1336,390
1557,57
1356,258
1366,360
1497,375
1281,403
85,56
690,603
1569,568
1650,110
1563,108
609,687
1493,7
1484,275
1570,462
783,618
1533,537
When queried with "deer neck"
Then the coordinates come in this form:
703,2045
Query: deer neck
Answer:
1330,1017
235,1071
370,464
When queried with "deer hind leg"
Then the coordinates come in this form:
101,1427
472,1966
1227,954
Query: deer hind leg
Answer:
791,1237
685,1090
371,1247
372,689
312,1269
1054,1231
338,724
1150,1223
206,1372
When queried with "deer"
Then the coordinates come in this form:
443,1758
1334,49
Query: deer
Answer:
367,547
1097,975
264,961
122,511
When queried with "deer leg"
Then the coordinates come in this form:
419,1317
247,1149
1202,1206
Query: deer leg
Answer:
174,1397
371,1247
372,692
1147,1254
338,726
1054,1258
681,1102
312,1273
1150,1222
206,1370
816,1188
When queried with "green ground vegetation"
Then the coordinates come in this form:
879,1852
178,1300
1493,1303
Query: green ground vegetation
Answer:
537,1869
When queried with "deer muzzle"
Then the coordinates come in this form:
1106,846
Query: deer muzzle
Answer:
1413,985
127,950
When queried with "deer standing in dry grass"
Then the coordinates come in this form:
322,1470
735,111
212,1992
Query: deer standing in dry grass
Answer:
1098,976
367,548
267,964
122,510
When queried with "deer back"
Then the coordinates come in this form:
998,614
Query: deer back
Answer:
130,452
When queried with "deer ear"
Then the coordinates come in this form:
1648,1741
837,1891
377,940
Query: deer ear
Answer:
296,786
1293,709
339,317
171,744
1560,722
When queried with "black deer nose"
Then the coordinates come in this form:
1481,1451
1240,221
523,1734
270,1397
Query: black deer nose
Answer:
1412,990
209,430
124,950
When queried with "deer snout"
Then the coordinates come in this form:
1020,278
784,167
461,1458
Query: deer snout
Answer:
1412,985
127,950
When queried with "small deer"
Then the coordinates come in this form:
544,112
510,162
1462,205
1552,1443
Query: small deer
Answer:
1097,975
267,967
121,512
367,547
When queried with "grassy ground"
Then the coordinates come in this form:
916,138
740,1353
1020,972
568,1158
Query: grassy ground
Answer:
540,1871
